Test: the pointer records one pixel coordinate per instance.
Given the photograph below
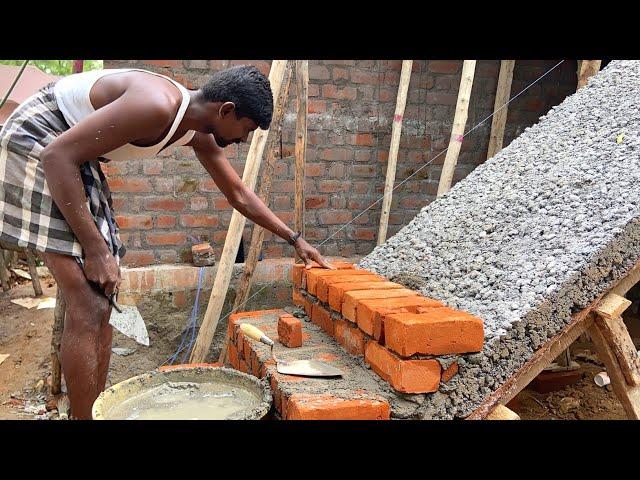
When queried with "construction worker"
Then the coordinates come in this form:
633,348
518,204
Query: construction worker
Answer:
54,197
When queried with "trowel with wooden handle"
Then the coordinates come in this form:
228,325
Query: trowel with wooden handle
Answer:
302,368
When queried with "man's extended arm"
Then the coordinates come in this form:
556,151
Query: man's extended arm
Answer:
244,199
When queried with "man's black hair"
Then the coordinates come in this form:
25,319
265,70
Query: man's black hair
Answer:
247,88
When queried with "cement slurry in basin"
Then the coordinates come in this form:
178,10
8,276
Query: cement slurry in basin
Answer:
186,401
534,234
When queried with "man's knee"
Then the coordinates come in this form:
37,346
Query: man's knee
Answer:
86,312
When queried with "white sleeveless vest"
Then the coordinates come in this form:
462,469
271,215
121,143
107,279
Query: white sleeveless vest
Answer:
72,95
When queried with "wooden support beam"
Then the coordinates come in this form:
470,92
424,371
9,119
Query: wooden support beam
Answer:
56,341
4,275
609,339
396,129
33,271
502,413
459,122
236,226
614,331
612,306
500,117
302,93
257,234
587,69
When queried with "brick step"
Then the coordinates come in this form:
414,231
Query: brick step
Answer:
355,396
399,332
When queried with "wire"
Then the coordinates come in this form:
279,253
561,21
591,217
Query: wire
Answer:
406,179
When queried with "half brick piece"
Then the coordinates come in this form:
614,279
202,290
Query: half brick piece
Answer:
406,376
290,331
322,289
435,331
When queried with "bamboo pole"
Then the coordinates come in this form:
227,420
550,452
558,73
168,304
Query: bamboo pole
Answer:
500,117
33,271
236,226
459,122
257,234
396,130
302,92
56,341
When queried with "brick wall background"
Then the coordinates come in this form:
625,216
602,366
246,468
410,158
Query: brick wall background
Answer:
165,204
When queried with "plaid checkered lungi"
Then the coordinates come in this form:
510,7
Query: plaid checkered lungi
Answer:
28,215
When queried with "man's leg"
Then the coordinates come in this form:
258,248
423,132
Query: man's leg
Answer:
86,341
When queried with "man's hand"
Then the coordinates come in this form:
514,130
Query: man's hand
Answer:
307,253
103,270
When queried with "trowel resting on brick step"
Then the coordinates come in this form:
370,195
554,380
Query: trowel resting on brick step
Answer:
303,368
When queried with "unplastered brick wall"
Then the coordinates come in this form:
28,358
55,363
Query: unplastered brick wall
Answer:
165,204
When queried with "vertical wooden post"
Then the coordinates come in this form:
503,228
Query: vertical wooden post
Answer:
500,117
459,122
33,271
302,92
56,341
257,234
234,234
4,276
586,69
396,130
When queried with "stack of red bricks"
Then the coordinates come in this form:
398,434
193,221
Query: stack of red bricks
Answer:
399,332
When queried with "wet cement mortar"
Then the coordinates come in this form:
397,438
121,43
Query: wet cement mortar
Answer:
533,235
167,323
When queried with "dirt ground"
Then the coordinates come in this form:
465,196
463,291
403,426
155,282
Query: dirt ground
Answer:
25,334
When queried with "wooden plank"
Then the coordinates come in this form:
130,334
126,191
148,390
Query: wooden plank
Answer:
4,275
502,413
234,234
459,122
612,306
629,396
614,331
396,129
56,341
580,323
587,69
499,119
302,93
33,271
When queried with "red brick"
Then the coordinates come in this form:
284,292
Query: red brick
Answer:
132,222
138,258
335,217
290,331
336,154
165,221
332,91
365,233
165,204
316,202
316,106
378,321
322,288
179,299
365,139
337,290
369,310
199,220
298,271
444,66
163,63
322,318
340,73
434,331
328,407
406,376
308,306
314,169
352,298
130,185
358,76
232,354
298,299
311,276
152,167
172,238
351,338
449,372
